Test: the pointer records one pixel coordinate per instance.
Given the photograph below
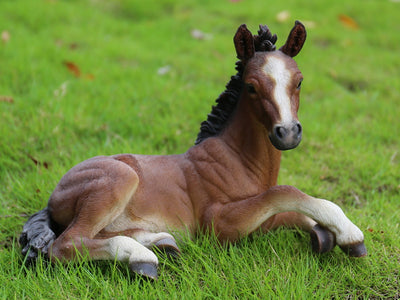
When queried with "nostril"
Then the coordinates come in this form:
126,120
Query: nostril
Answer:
298,128
280,132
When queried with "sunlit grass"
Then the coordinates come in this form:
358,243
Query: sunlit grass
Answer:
120,103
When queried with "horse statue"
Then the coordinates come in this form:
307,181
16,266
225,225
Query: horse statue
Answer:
124,206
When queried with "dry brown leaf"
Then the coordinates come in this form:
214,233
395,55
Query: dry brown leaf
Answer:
200,35
73,46
73,68
5,36
38,163
6,99
164,70
61,91
283,16
348,22
89,76
309,24
76,71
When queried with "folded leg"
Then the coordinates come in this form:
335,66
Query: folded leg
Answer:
322,240
240,218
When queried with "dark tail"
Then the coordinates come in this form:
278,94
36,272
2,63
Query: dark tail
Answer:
37,235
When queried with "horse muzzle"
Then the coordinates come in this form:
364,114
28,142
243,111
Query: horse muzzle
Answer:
286,137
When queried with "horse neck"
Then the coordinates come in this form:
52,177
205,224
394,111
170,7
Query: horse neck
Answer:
247,137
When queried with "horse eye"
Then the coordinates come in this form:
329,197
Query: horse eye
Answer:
299,85
250,88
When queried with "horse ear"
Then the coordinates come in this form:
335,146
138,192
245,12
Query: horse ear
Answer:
295,40
244,43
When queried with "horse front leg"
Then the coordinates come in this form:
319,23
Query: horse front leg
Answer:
240,218
162,241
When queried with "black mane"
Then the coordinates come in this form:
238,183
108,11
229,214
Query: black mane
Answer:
227,101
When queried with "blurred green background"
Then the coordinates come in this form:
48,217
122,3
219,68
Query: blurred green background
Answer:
84,78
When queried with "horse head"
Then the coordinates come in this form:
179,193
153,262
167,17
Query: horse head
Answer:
272,81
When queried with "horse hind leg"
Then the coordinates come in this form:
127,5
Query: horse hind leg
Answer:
78,241
141,260
107,187
322,240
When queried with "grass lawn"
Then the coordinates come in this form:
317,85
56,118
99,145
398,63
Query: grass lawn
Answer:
84,78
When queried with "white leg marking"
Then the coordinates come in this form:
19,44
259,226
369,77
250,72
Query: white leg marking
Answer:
276,69
325,213
308,223
124,248
330,215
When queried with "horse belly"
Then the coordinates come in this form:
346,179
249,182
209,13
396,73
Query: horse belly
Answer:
158,211
152,217
127,223
161,202
162,196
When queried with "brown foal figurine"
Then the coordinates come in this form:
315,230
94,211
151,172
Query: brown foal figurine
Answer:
121,206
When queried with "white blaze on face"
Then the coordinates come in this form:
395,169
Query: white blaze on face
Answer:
275,68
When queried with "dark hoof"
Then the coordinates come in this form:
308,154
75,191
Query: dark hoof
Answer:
355,250
146,270
322,240
169,247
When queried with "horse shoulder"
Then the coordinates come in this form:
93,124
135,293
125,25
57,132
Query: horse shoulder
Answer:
219,177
